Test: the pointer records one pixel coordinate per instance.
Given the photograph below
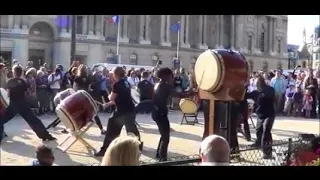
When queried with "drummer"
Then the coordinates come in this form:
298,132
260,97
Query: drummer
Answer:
17,89
82,82
163,90
125,112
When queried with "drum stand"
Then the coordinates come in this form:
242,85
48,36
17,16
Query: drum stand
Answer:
54,123
74,136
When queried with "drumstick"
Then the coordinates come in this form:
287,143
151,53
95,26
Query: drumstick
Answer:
99,103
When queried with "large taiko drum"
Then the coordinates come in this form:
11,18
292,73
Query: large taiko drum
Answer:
188,106
76,110
219,68
4,101
62,95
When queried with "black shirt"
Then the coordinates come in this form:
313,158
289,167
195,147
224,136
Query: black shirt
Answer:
17,89
264,102
123,100
146,90
81,83
162,92
177,81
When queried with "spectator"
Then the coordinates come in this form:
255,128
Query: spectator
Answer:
3,76
297,102
54,81
215,151
290,91
266,78
184,80
122,151
44,156
133,79
42,91
279,85
307,103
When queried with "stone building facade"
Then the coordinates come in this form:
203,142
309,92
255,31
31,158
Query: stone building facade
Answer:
144,39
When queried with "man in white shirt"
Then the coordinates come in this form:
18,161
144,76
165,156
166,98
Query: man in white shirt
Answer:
215,151
54,81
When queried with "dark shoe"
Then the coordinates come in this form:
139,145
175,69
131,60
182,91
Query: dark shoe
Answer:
103,132
141,146
49,138
267,156
100,153
163,159
64,131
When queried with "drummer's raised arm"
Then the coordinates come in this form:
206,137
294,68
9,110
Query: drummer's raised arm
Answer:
252,95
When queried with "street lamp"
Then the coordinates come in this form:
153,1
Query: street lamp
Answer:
73,38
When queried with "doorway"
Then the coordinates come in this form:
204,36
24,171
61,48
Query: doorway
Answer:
7,57
37,56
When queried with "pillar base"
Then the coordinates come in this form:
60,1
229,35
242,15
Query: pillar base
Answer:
185,45
168,44
145,41
202,46
124,40
90,33
16,26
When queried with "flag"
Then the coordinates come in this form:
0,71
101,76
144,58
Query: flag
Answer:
114,19
62,21
175,27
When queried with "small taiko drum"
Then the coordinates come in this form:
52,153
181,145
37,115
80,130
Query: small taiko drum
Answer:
76,110
4,101
188,106
219,68
62,95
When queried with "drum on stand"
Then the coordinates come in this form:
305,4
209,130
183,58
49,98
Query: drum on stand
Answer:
4,101
221,68
189,108
76,112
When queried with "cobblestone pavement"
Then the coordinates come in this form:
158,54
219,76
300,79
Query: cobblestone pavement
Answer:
19,147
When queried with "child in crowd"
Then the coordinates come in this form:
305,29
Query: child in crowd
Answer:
297,102
44,156
307,103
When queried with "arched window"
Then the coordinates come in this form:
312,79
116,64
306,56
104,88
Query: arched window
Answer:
111,57
133,59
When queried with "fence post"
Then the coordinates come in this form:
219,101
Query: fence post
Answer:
289,151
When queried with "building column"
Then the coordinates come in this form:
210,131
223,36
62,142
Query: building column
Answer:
63,28
232,38
17,21
91,19
148,21
217,31
85,24
143,30
274,36
270,44
21,50
10,21
168,30
124,35
163,31
221,31
202,37
183,31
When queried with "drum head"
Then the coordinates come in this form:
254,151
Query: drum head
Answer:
4,97
188,106
208,69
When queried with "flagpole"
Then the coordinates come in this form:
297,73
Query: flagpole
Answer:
118,39
178,41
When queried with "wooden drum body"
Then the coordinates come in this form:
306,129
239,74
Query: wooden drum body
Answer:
62,95
188,106
76,110
222,70
4,101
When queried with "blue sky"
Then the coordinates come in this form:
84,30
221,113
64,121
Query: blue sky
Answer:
296,24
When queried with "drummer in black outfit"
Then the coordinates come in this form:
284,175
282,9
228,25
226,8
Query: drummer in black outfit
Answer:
82,82
264,98
17,88
164,89
125,112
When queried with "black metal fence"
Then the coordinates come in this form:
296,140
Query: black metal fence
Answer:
245,156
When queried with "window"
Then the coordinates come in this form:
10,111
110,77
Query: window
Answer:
133,59
262,42
155,59
279,46
111,57
249,42
79,24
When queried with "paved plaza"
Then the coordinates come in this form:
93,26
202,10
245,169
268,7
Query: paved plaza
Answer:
19,147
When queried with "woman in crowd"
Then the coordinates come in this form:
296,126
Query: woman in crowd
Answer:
311,83
133,79
32,90
42,92
122,151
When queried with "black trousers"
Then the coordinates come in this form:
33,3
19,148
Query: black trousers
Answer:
116,121
24,110
264,136
162,121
